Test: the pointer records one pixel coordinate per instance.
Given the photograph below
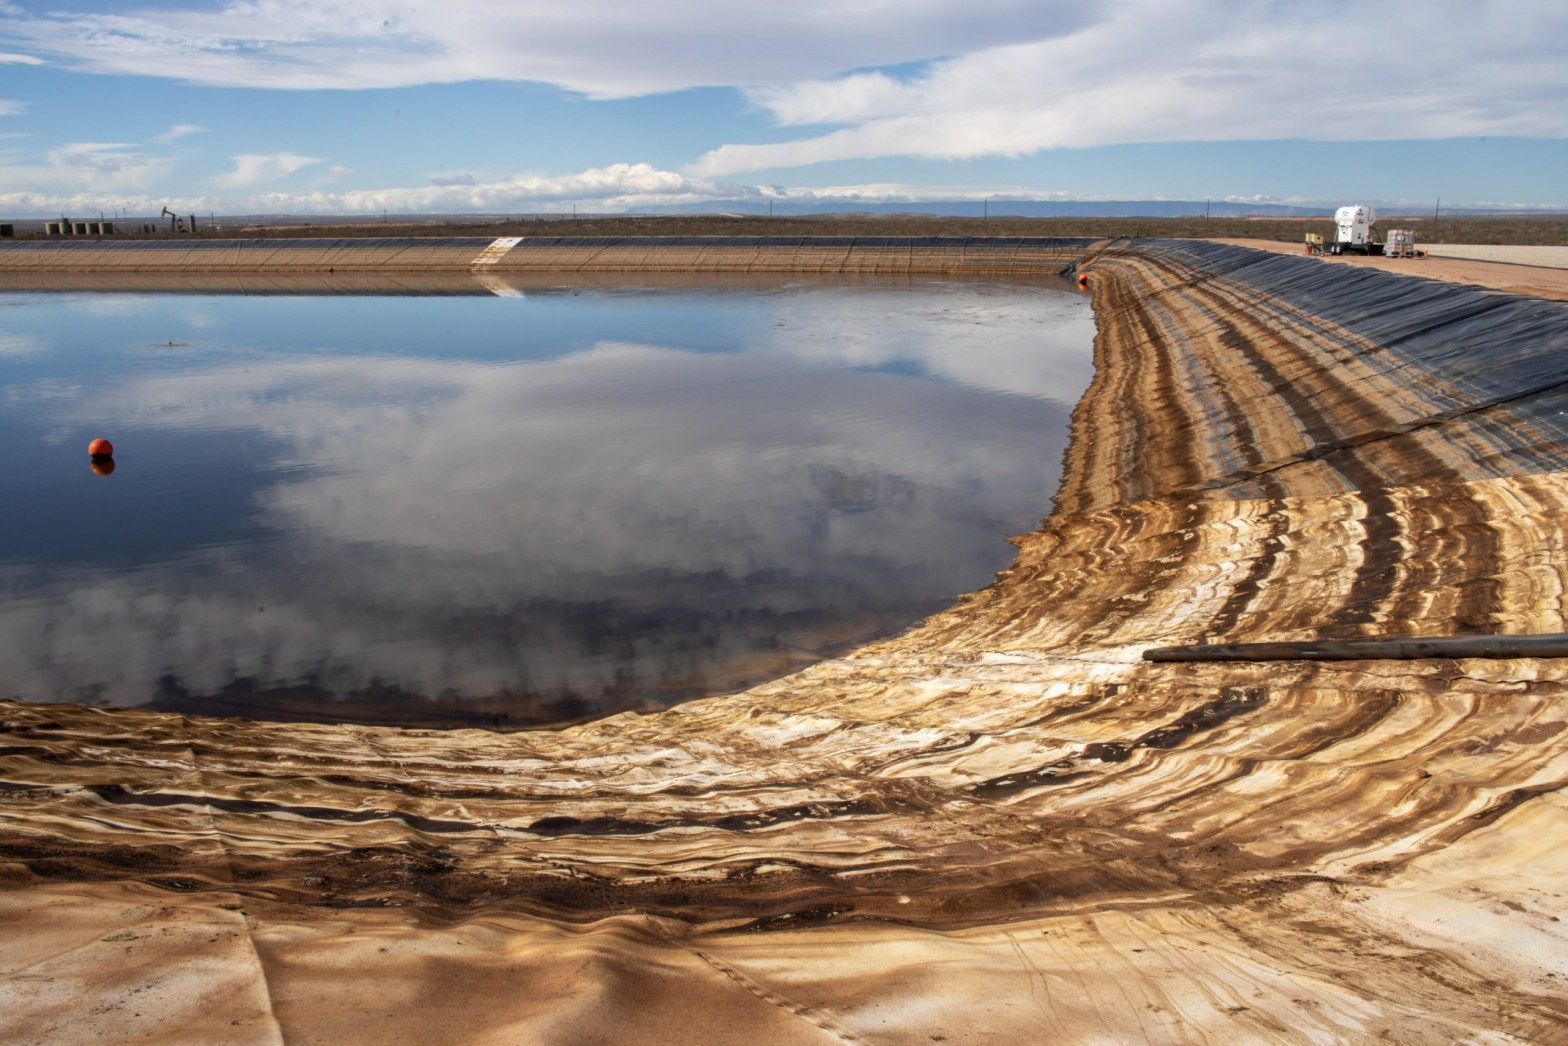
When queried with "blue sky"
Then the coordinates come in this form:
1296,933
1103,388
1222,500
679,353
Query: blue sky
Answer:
327,106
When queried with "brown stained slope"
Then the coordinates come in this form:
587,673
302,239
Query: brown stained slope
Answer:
1000,822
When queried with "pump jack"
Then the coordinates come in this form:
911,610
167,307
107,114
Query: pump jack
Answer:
176,223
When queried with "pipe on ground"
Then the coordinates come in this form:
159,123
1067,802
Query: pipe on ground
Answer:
1552,644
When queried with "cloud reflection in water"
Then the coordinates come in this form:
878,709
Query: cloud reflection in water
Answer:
621,526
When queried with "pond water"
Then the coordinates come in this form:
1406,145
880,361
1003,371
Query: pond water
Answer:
506,508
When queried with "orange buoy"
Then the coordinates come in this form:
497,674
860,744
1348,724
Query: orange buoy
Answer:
1083,281
100,448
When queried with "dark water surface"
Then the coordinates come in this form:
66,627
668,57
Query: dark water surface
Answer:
515,507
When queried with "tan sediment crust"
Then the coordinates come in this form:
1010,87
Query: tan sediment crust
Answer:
1002,826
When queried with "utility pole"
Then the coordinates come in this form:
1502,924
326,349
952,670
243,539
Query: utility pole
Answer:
1205,208
1437,210
985,210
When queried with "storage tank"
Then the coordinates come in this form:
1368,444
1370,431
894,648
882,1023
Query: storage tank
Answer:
1354,222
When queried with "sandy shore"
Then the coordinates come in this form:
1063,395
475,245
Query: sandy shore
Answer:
1003,826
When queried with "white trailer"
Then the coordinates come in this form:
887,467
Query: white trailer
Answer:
1354,231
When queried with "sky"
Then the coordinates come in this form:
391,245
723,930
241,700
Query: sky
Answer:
530,106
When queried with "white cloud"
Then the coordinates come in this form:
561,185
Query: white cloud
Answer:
178,131
870,78
80,176
62,186
338,170
613,189
617,187
250,168
602,48
12,107
19,59
81,172
1196,70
